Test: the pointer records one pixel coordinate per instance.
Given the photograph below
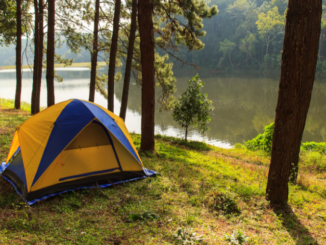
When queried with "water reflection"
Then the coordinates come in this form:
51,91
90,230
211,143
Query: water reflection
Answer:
243,106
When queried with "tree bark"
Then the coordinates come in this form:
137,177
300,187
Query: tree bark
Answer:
50,52
145,20
36,60
94,53
18,56
113,54
299,59
40,47
133,26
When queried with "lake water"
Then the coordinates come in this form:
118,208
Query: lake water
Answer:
243,106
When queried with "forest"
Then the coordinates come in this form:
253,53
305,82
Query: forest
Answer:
245,37
72,169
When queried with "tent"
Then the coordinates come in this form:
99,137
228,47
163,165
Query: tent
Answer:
71,145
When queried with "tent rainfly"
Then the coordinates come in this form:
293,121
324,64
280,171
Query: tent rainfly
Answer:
72,145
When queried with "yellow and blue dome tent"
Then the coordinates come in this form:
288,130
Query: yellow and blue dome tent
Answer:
72,145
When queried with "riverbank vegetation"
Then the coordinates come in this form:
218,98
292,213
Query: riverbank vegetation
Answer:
203,189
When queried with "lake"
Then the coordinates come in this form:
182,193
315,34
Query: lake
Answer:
243,106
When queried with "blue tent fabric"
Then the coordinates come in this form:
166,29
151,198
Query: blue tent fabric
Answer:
75,116
149,173
70,122
17,166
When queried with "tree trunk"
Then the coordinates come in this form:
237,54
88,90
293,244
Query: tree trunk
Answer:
50,52
299,59
113,54
18,56
145,20
126,82
36,60
94,53
186,135
40,47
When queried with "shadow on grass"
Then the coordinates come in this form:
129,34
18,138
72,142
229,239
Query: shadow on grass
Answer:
293,225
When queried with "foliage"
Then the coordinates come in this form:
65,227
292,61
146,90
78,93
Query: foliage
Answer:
314,146
7,21
193,107
223,201
262,141
237,237
146,216
186,236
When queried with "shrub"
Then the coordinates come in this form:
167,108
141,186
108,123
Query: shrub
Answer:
223,201
262,141
237,237
313,146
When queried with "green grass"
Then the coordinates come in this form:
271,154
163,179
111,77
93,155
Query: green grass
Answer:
203,189
82,64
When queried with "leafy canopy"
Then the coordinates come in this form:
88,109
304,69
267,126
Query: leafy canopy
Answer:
267,23
193,107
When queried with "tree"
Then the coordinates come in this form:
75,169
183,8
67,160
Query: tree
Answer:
94,52
226,47
50,52
247,45
269,24
193,107
133,26
36,84
7,21
38,55
113,54
18,55
299,59
147,45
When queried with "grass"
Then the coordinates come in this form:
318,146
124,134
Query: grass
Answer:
202,189
83,64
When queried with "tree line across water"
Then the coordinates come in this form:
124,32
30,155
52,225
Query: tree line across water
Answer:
145,33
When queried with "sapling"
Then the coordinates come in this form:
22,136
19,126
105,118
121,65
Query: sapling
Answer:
193,107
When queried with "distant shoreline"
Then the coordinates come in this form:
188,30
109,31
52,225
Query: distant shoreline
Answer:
83,64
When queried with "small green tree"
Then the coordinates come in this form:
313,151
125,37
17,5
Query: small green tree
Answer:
193,107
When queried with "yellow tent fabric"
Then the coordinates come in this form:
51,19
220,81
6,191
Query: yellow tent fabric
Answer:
69,145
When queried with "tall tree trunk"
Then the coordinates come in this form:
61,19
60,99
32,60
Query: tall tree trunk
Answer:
36,60
50,52
41,46
145,20
126,82
18,56
94,53
299,59
113,54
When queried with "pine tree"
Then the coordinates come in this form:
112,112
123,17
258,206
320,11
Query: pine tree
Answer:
130,54
299,59
147,45
50,52
113,53
95,52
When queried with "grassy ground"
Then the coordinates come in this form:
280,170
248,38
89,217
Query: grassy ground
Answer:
202,189
84,64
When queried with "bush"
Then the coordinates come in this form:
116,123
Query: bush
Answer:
314,161
262,141
237,237
223,201
313,146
